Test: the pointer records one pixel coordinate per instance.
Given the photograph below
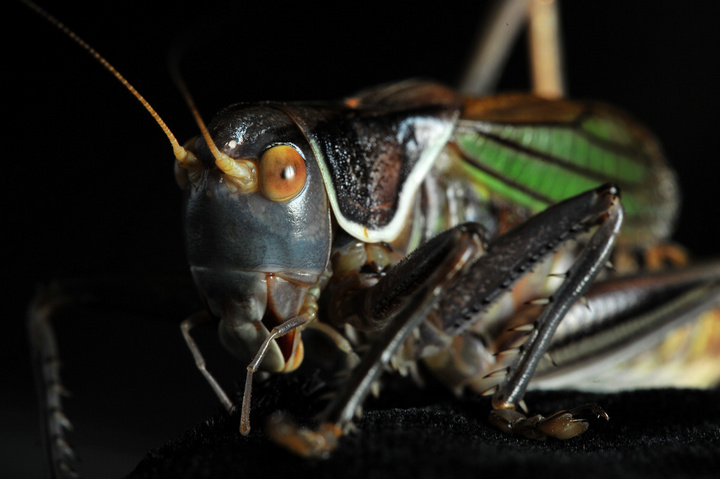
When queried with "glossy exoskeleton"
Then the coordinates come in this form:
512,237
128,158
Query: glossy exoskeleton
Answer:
469,234
382,204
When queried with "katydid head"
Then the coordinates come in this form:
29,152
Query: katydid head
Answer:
257,219
256,246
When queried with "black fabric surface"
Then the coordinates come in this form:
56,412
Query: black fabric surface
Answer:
426,433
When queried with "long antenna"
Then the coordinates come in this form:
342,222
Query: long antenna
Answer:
241,172
184,157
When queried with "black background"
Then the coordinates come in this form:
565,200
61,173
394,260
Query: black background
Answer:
88,185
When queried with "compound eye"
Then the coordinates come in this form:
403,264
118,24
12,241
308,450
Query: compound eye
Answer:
282,173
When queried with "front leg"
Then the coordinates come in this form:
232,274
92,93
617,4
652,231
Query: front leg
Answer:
459,265
394,306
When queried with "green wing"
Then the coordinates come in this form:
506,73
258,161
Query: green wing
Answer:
535,152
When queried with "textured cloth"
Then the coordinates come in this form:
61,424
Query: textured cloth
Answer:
427,433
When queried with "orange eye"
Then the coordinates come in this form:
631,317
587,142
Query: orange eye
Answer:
282,173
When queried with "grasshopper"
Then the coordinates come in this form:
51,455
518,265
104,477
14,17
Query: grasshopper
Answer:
346,223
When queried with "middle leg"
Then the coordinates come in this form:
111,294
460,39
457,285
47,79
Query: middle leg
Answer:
450,281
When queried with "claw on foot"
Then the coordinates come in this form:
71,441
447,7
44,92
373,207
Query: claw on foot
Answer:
561,425
302,441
